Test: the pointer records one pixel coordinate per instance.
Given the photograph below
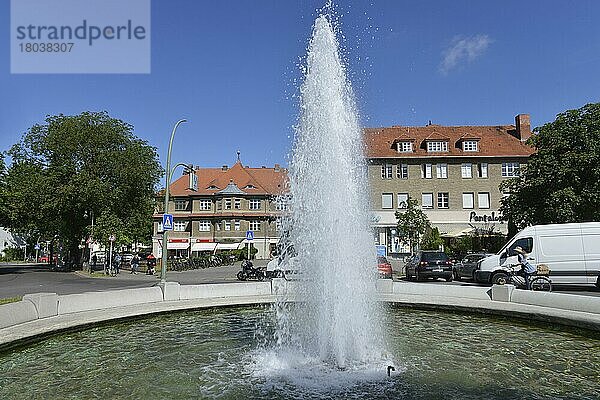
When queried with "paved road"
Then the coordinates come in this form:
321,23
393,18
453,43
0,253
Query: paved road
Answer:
17,280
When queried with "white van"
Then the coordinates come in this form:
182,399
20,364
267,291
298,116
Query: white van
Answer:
571,252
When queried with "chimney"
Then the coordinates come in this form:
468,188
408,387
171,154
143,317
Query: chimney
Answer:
523,125
224,168
277,168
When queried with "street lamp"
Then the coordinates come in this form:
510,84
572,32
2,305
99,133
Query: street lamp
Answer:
168,173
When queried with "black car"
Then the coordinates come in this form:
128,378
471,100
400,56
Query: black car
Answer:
465,269
429,264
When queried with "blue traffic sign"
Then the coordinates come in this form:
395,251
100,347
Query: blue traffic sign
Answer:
167,222
381,250
249,235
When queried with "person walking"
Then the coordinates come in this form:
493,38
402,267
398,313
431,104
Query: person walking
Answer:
151,263
526,268
135,263
117,263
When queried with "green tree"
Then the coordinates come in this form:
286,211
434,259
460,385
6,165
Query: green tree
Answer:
561,182
71,168
412,223
431,240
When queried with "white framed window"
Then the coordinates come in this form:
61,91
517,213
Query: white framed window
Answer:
427,200
468,200
426,171
228,204
227,225
437,146
402,200
386,171
404,147
218,225
387,200
254,204
278,225
237,204
180,205
470,145
482,170
402,171
179,226
466,170
255,226
237,225
205,204
510,169
483,200
442,200
441,171
204,226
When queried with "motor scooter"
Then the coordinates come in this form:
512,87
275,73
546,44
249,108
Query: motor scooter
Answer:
249,272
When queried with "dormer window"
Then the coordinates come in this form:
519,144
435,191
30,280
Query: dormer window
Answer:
212,187
404,147
470,145
249,186
437,146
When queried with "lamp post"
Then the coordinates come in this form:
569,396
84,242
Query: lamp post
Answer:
163,270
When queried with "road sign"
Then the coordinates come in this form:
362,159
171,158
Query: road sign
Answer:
112,238
381,250
249,236
167,222
37,247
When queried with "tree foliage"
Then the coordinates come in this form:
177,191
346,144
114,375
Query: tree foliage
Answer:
412,222
561,182
71,168
431,239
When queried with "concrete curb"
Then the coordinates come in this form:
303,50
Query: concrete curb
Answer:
42,314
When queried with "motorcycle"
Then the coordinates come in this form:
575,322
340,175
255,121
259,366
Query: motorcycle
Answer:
249,272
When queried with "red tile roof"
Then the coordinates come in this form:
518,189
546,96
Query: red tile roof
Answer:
493,141
259,181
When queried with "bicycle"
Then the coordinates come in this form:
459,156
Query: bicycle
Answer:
539,280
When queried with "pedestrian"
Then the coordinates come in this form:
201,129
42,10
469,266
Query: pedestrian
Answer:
526,268
151,263
135,262
94,261
117,263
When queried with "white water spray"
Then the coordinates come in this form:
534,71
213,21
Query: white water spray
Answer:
335,320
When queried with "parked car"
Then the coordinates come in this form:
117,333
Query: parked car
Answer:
570,251
384,268
465,269
429,264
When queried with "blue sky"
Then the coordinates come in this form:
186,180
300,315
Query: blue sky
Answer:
231,69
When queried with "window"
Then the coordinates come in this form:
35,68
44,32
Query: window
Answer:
482,170
237,225
466,170
387,200
442,200
254,204
255,226
227,225
386,171
510,169
402,172
426,171
179,226
205,204
427,200
402,200
441,171
204,226
525,243
483,199
228,204
468,200
218,225
405,147
470,145
180,205
237,204
437,147
159,228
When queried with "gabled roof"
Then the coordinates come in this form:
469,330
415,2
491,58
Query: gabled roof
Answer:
494,141
235,180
